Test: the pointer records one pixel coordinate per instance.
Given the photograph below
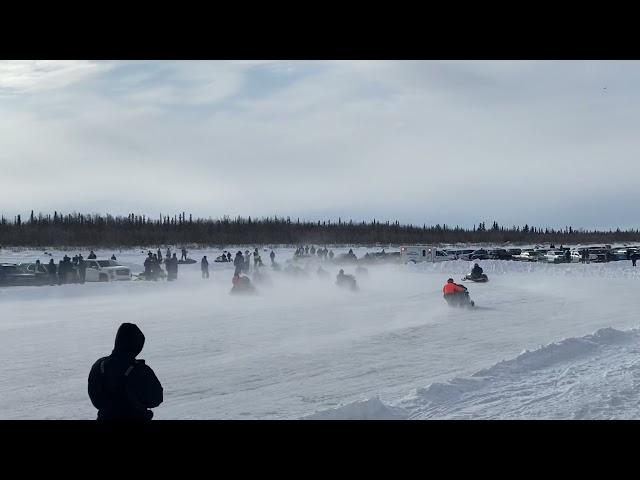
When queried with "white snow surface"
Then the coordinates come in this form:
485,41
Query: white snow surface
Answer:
545,341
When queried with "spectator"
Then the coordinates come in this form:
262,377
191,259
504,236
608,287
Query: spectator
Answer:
121,387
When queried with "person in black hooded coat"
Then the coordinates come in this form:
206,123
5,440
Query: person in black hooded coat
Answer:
121,387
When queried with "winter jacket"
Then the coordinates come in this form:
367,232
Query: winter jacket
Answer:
121,387
451,288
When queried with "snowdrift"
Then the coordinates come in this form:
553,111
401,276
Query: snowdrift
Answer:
372,409
521,377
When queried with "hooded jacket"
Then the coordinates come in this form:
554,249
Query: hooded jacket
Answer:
121,387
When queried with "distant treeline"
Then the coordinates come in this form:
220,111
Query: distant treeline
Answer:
76,229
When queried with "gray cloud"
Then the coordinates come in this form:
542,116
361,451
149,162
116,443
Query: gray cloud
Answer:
436,142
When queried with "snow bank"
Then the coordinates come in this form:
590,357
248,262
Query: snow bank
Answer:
440,397
371,409
620,269
565,350
439,400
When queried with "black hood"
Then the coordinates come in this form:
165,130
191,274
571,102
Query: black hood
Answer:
129,339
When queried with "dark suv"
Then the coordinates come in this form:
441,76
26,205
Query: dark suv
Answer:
11,274
499,254
480,254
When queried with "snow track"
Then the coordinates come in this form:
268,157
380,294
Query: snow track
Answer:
304,348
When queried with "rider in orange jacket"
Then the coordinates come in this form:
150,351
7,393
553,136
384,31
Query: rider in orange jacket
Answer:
451,288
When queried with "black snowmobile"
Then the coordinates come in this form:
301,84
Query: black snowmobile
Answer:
188,261
482,278
476,275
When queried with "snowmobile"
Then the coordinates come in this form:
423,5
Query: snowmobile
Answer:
346,281
158,275
221,259
482,278
460,299
187,261
242,285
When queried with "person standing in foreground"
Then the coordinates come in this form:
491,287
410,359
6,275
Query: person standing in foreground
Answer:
204,266
121,387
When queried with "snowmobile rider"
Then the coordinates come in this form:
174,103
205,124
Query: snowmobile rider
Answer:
121,387
241,284
476,271
451,288
346,280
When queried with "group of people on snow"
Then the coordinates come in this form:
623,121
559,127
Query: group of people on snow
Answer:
68,270
306,251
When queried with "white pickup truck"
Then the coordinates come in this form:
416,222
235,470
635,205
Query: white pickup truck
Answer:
99,270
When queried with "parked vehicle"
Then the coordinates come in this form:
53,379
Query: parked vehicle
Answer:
461,254
423,253
105,270
499,254
38,269
554,256
596,254
479,254
621,252
528,255
514,251
11,274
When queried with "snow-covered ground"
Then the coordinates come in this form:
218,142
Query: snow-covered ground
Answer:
304,348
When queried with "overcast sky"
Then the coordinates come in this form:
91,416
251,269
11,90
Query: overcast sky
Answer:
546,143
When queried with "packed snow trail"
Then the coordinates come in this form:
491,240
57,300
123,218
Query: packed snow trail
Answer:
303,345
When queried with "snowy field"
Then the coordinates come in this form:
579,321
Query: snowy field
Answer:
545,341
